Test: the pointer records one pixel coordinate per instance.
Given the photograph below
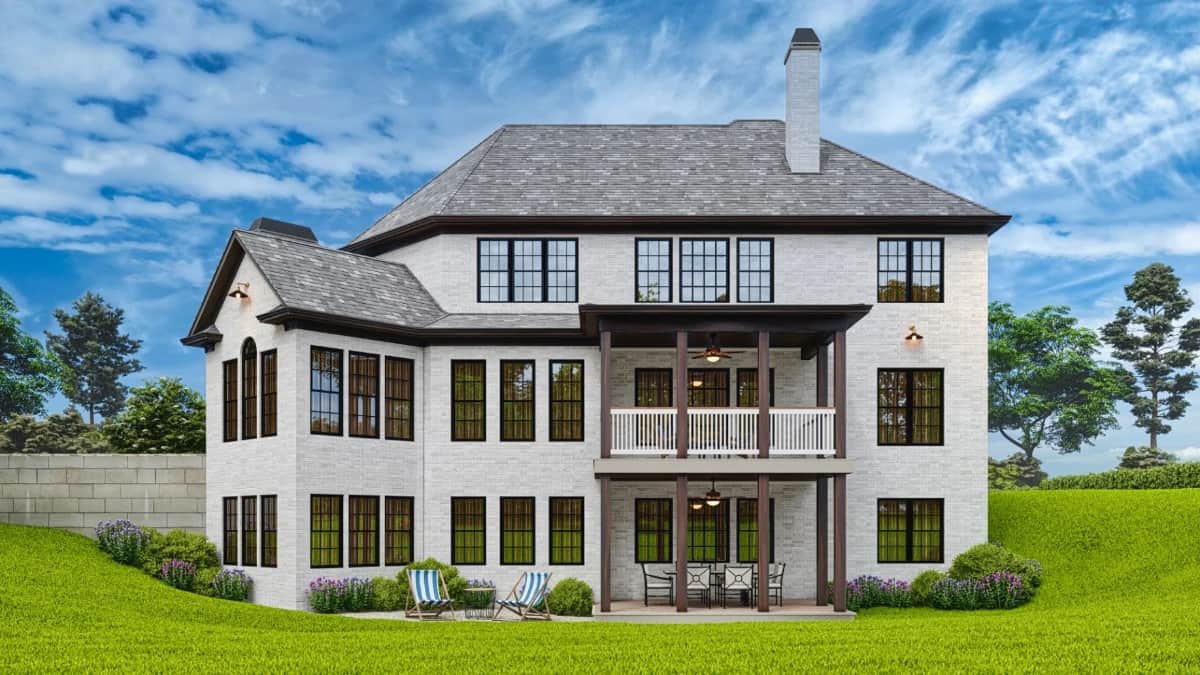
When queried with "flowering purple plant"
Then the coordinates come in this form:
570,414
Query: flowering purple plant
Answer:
328,595
480,583
178,573
998,590
232,585
871,591
122,540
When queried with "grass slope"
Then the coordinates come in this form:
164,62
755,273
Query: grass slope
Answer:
1122,593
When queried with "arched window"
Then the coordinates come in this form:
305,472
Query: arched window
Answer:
249,389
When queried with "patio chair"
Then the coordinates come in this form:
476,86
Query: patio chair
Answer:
775,582
737,579
527,599
656,584
697,583
427,595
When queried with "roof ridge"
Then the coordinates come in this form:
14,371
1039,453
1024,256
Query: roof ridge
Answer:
909,175
496,134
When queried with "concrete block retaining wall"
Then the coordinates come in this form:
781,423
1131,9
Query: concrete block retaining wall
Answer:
74,492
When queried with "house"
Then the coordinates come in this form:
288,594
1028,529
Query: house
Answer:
551,356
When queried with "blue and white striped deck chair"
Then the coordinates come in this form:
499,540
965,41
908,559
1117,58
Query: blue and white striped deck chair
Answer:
427,595
528,597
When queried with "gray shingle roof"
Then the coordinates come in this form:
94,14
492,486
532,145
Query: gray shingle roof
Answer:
735,169
508,321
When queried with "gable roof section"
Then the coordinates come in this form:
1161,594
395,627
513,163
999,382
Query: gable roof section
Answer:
704,171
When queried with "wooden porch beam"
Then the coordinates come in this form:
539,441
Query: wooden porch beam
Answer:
605,544
606,393
822,542
823,376
681,394
681,535
839,393
764,394
764,542
839,543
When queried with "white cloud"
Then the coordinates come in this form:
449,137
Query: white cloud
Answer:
1093,242
1188,454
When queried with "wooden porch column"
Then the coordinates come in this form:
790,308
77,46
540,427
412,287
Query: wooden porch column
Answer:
764,541
605,545
764,394
839,393
681,534
605,393
822,376
681,394
839,543
822,541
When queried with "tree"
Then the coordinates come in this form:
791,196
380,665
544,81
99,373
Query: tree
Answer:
1149,336
1017,471
160,416
1142,457
96,355
1045,385
28,373
62,433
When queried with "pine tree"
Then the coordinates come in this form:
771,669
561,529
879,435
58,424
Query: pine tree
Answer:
96,355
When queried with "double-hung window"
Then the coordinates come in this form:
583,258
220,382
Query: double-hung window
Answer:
566,530
516,531
398,399
910,270
747,387
325,531
756,270
250,531
910,406
708,532
468,419
910,530
652,530
528,270
270,392
704,270
325,392
652,270
468,538
516,401
364,531
397,530
364,395
229,531
229,400
249,389
747,530
270,531
566,400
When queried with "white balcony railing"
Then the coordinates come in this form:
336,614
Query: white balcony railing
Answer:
722,431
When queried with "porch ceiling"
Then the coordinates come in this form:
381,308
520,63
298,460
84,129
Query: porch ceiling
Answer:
721,468
655,325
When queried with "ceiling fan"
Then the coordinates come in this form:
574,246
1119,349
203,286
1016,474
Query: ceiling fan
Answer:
712,353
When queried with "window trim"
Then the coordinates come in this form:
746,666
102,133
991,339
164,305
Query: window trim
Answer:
373,542
506,437
341,417
670,531
454,559
274,529
728,283
454,437
550,401
229,421
248,541
229,516
770,383
411,400
262,389
545,254
532,530
908,270
908,418
312,498
738,527
908,530
350,393
716,370
670,384
582,530
412,531
637,270
771,287
721,530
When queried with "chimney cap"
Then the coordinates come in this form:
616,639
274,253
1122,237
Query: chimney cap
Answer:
803,38
283,227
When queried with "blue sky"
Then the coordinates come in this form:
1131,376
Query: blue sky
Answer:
134,136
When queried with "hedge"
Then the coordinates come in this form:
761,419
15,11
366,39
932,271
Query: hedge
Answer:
1185,475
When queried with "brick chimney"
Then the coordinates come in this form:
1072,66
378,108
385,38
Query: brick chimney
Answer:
803,122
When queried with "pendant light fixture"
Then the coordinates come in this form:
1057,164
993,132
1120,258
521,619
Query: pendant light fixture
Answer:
712,497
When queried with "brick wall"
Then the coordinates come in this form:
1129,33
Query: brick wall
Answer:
74,492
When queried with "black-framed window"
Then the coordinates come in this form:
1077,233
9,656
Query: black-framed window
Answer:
517,531
364,531
398,399
468,531
250,531
229,530
566,400
528,270
747,387
325,391
756,270
270,531
270,392
704,270
708,532
566,530
517,401
652,387
249,389
325,531
708,387
652,270
910,530
747,529
910,406
364,395
397,530
652,530
468,414
910,270
229,400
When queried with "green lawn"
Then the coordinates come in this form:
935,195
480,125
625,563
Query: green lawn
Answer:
1122,592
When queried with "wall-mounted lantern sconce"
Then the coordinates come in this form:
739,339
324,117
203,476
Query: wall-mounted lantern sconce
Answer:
913,337
239,290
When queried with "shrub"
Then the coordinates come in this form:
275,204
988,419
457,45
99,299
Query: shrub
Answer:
358,594
231,585
923,584
999,590
570,597
979,561
204,581
951,593
1003,590
1183,475
477,600
178,545
327,595
121,539
455,585
386,595
179,574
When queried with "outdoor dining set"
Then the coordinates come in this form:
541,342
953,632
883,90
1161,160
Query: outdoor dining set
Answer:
706,583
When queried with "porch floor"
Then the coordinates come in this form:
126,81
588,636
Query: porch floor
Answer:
633,611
